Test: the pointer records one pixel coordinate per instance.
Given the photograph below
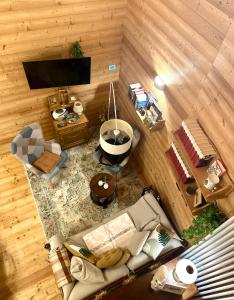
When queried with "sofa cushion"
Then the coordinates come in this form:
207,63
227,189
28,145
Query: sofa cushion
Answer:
149,198
142,214
138,261
82,290
137,241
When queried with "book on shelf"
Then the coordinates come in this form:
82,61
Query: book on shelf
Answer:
179,164
196,143
141,100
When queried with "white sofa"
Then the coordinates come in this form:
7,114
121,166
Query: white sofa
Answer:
79,290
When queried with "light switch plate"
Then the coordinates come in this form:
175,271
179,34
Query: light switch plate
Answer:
112,67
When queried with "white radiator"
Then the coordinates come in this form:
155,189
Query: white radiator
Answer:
214,259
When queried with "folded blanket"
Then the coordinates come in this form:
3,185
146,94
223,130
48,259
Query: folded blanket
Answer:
60,263
116,233
85,272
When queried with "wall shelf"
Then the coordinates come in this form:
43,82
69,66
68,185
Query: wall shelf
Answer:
157,126
224,188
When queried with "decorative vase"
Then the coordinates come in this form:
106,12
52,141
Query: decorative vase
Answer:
78,108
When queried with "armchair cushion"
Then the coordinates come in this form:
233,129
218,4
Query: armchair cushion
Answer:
47,161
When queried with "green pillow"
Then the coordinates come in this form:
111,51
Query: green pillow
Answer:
156,242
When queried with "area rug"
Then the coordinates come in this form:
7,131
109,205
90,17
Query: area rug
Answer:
67,208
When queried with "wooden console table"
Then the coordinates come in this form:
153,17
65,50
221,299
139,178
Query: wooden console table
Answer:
72,134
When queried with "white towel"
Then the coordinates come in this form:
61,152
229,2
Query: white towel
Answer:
85,272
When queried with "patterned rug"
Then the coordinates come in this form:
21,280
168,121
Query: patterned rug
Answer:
67,208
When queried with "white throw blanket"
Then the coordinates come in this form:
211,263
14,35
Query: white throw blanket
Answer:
116,233
84,271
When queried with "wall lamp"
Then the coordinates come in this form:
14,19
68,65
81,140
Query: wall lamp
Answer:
159,83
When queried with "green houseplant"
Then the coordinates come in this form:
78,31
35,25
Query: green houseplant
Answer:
205,223
76,50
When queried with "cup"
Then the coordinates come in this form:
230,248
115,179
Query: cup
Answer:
211,181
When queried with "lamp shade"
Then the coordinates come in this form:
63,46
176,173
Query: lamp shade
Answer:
110,125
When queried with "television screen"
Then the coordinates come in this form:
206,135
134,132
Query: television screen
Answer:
57,73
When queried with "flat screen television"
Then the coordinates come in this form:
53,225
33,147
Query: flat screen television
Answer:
57,73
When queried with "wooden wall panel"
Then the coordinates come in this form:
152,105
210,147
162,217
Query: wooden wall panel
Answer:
190,45
34,30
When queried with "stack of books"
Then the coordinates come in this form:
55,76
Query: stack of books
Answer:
138,95
179,164
196,143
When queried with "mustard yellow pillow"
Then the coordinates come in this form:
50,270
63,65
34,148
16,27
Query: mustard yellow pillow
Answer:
109,258
79,251
125,257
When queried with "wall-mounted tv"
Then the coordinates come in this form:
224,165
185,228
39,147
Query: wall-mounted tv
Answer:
57,73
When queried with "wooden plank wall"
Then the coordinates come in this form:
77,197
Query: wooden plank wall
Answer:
35,30
190,44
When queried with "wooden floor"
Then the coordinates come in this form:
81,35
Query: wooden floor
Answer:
24,269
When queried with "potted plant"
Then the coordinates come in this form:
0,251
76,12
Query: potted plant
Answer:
76,50
205,223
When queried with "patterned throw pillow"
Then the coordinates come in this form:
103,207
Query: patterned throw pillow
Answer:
79,251
156,242
60,263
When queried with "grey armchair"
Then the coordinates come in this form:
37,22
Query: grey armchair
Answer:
29,145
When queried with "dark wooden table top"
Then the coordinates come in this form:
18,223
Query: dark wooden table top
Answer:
99,190
140,289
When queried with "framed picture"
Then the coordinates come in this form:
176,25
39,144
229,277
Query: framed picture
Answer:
72,98
53,100
216,168
197,198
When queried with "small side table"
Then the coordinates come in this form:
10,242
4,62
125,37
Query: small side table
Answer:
98,194
68,134
171,286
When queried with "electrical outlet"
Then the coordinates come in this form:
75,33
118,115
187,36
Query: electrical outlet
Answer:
112,67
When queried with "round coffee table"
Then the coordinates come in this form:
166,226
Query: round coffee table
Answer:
98,194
